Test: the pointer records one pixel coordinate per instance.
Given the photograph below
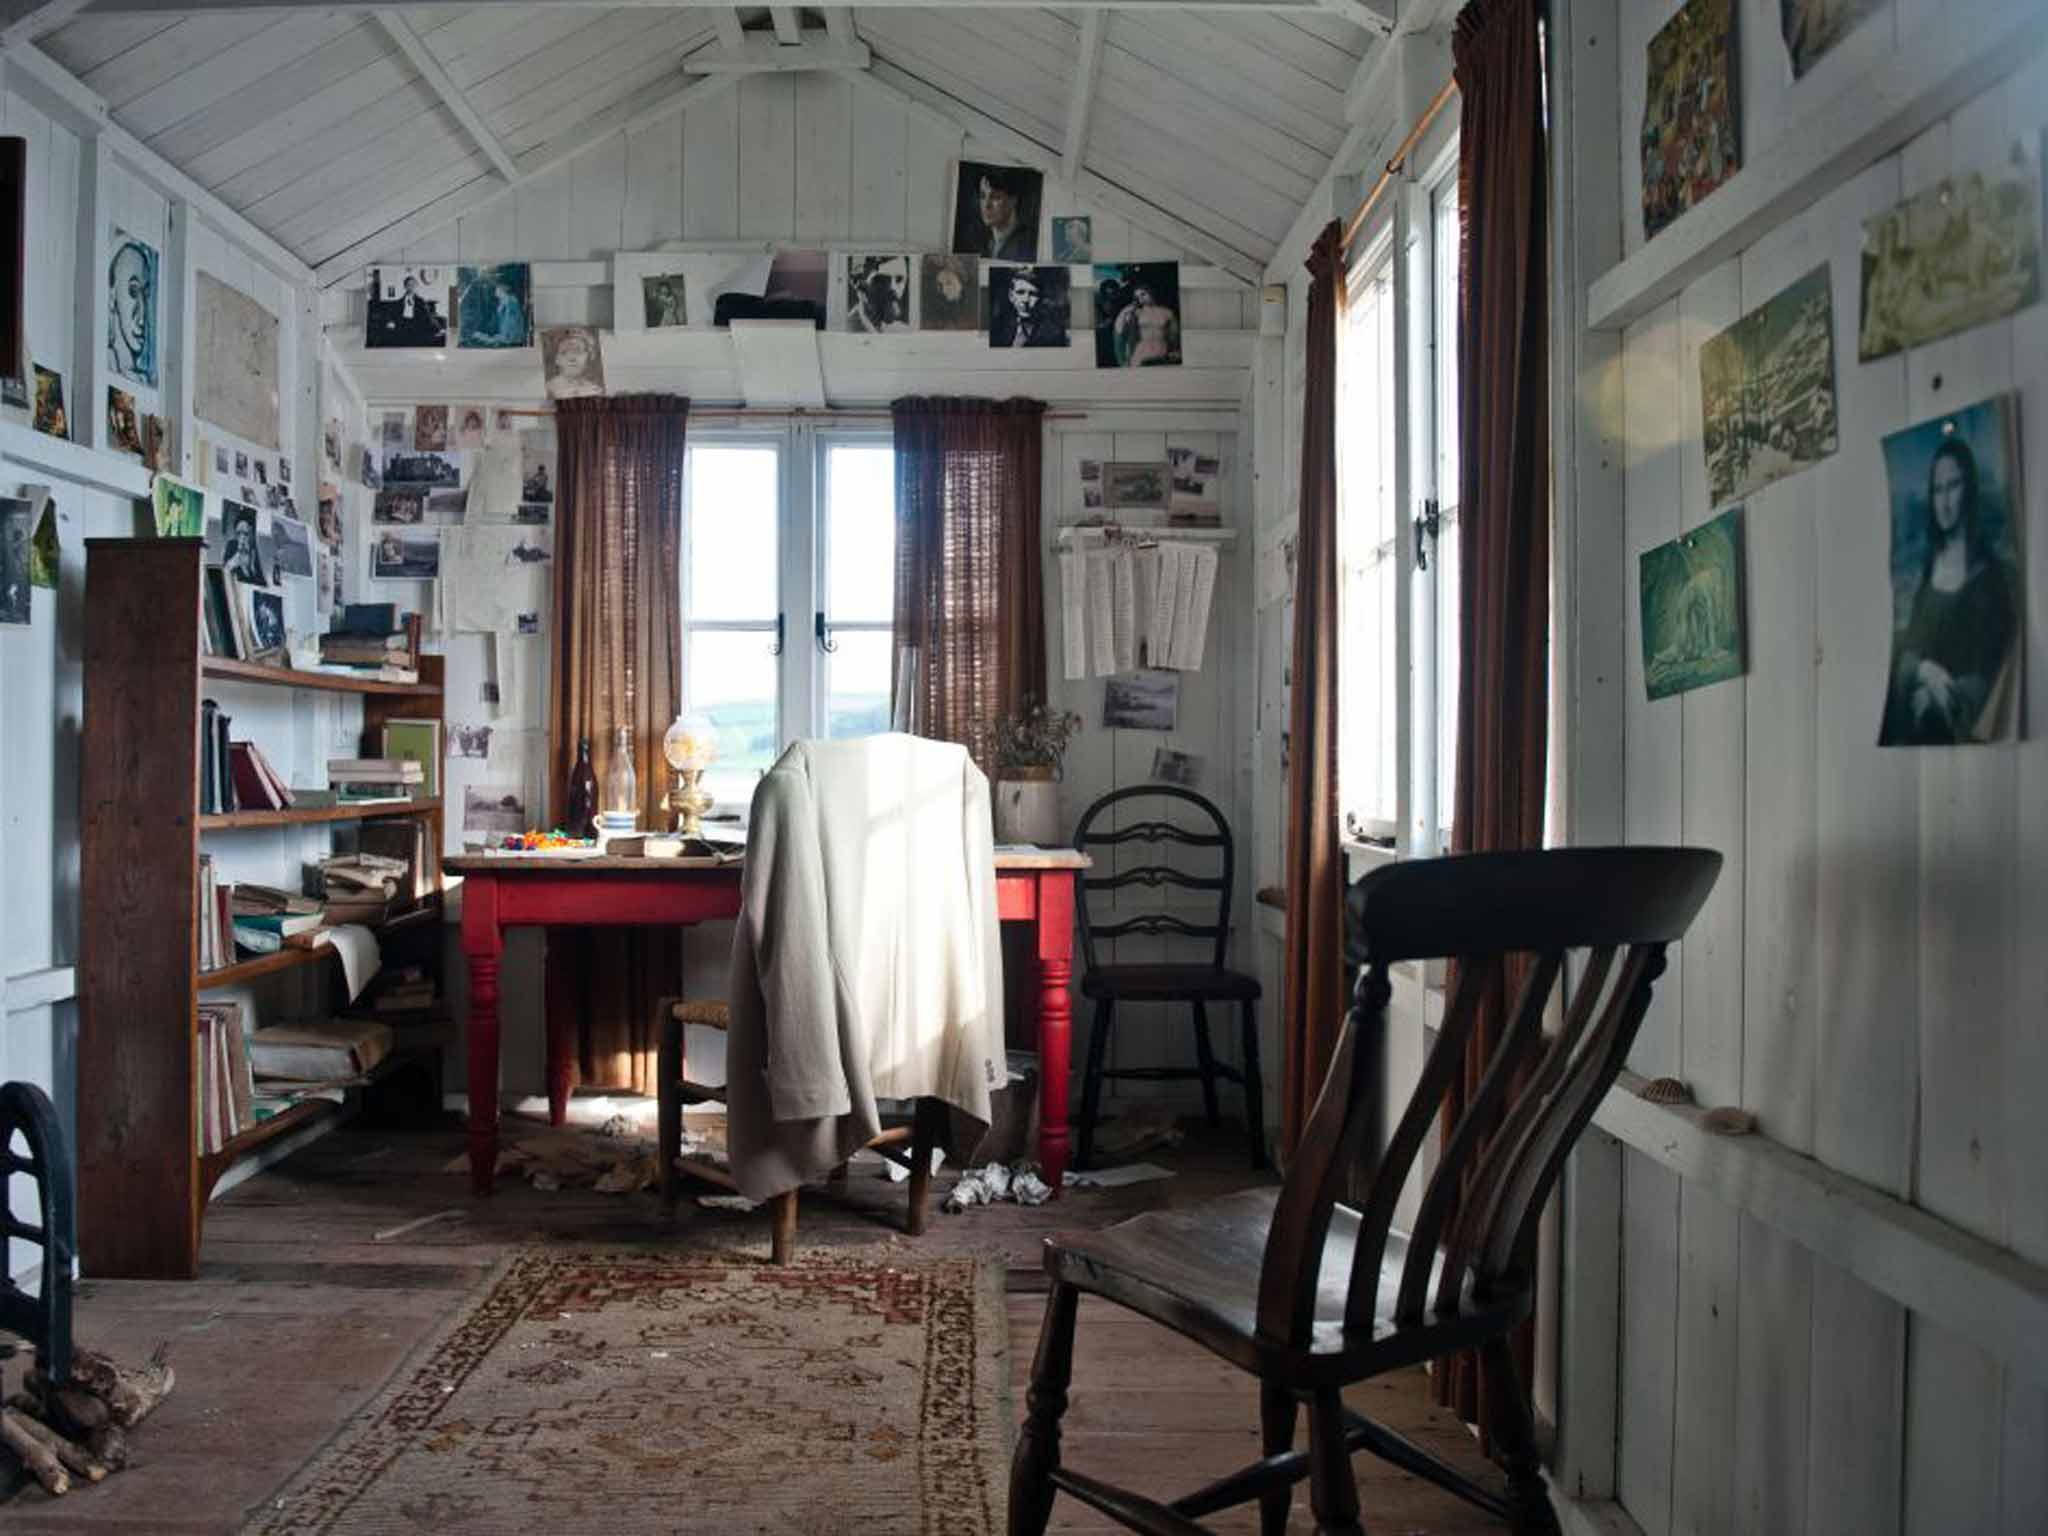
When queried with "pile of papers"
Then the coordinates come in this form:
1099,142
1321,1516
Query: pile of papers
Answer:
1127,606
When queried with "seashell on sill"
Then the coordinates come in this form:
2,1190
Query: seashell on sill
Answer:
1727,1120
1665,1090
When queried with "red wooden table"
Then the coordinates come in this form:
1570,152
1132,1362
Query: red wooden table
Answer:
500,893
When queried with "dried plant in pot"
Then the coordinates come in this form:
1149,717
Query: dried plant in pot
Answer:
1029,747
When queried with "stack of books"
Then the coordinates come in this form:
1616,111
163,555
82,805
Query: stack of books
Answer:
373,640
226,1088
358,887
374,780
405,996
266,919
314,1059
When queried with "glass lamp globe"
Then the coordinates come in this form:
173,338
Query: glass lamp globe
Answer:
690,746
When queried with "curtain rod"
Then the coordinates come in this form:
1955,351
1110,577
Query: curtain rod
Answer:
1429,115
838,413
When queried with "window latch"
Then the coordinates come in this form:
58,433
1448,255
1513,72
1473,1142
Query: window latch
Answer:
825,642
776,648
1427,522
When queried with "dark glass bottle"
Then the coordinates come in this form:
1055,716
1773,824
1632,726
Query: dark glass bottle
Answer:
581,820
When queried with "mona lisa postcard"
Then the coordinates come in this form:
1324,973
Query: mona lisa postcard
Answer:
1955,573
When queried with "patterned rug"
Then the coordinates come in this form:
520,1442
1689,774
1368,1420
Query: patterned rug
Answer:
858,1390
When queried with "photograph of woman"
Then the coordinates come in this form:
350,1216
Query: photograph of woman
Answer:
1955,579
572,366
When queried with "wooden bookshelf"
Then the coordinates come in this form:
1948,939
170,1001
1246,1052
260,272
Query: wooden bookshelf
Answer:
142,1181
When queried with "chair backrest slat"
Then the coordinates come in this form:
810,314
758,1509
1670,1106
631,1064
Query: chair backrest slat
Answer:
1524,1030
1499,1159
1209,838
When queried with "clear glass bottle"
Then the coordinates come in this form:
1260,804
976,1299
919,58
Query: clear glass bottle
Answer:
580,817
621,779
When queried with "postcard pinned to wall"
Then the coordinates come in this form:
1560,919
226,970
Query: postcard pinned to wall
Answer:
180,509
1812,27
876,296
1960,254
1073,238
133,279
1957,594
1137,314
406,554
17,604
1692,608
236,372
949,293
493,809
1690,142
1144,701
1192,498
494,305
571,362
1767,391
1144,486
407,307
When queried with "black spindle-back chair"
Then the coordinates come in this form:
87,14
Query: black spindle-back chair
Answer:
1196,983
43,1319
1310,1294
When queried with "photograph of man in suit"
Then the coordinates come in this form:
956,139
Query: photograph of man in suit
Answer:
404,314
1028,307
995,212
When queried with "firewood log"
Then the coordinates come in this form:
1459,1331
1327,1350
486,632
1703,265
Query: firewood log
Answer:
71,1410
109,1446
36,1456
75,1458
129,1395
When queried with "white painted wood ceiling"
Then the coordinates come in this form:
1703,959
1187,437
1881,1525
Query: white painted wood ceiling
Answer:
322,130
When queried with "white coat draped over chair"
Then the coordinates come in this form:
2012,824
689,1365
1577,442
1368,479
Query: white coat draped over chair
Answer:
867,959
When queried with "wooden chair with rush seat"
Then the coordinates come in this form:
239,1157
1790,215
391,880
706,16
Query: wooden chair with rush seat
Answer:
1311,1295
1108,823
909,1145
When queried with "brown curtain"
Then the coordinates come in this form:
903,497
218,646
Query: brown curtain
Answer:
1313,998
969,571
617,660
1504,489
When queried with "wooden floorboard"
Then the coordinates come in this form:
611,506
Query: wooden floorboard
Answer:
299,1316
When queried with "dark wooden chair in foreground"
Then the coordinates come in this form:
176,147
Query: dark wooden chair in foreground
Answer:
43,1319
672,1016
1311,1295
1138,816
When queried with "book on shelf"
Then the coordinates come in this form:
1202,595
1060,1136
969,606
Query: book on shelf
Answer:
403,841
258,941
258,785
416,741
216,775
387,674
226,1087
397,770
320,1050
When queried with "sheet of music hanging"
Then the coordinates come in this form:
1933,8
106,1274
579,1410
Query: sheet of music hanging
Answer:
1101,621
1191,607
1125,608
1073,603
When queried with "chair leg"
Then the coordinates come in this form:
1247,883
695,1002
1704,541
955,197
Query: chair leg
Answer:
1091,1083
668,1092
1277,1408
1332,1492
1038,1446
1529,1511
782,1228
1205,1057
924,1137
1254,1087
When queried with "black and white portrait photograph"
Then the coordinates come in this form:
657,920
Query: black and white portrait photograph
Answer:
406,554
469,740
408,307
241,464
405,504
293,541
466,426
242,549
266,620
430,428
571,364
664,300
373,472
949,293
1073,238
262,471
527,623
995,211
1137,314
877,294
1027,306
395,429
536,467
1170,765
1142,701
221,460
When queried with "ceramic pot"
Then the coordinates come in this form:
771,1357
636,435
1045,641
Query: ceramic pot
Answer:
1027,806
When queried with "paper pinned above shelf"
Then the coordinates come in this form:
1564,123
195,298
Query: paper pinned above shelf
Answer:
1126,606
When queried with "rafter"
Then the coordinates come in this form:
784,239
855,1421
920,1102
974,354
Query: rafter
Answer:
758,54
414,47
730,32
1082,102
1378,19
789,31
839,24
23,21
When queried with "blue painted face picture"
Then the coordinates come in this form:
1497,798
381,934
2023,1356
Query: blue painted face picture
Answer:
494,305
132,273
1956,589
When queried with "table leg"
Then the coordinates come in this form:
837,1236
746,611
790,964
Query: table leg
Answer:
565,984
482,944
1055,1043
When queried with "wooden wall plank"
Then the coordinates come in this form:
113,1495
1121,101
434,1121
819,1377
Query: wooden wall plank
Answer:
768,155
1953,1443
1649,1342
824,157
1774,1334
1857,1413
1709,1298
711,158
654,185
597,200
878,202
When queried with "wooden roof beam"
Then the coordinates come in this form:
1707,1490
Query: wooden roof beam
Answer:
760,54
1082,102
414,47
1376,17
23,21
789,30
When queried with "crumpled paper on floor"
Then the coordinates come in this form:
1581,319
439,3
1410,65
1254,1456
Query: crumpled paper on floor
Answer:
994,1182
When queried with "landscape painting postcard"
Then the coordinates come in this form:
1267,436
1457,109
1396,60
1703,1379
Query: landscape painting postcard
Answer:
1812,27
1692,608
1960,254
1690,140
1957,593
1767,391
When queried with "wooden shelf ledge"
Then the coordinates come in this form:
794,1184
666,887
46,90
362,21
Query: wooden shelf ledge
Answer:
290,958
234,820
227,670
